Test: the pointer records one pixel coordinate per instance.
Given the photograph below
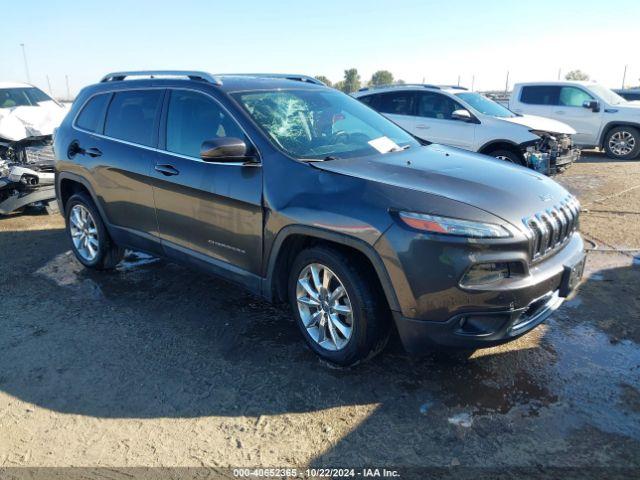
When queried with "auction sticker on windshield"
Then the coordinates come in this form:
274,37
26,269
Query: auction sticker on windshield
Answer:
384,144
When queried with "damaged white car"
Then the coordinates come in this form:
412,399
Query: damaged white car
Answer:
28,117
460,118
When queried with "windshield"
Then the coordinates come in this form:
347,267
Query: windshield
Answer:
22,96
485,105
322,124
609,96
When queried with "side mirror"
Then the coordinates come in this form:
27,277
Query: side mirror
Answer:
461,114
592,105
224,149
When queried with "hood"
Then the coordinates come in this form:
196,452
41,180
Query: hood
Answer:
508,191
21,122
631,109
542,124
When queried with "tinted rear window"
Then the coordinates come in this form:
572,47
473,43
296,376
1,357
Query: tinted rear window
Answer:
372,100
400,103
540,95
132,116
92,115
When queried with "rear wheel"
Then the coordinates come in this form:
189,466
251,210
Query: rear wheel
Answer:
622,143
508,156
339,309
90,240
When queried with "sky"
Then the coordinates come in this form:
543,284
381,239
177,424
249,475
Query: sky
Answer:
434,41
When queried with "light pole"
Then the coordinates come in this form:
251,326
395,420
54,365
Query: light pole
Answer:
26,65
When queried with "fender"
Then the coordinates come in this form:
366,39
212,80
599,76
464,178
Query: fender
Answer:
613,124
60,176
125,237
497,142
335,237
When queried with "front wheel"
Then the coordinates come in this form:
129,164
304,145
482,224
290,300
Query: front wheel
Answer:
508,156
90,240
622,143
339,308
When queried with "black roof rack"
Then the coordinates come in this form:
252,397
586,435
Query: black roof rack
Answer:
285,76
215,79
453,87
190,74
399,85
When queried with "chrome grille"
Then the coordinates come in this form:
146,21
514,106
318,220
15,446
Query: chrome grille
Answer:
551,228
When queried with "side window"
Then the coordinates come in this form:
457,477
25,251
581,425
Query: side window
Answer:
132,115
398,103
372,100
92,115
540,95
573,97
193,118
436,105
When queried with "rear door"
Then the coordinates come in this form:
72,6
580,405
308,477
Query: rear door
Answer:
397,106
119,153
205,210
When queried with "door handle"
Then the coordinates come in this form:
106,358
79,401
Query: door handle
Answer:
423,127
560,112
167,170
93,152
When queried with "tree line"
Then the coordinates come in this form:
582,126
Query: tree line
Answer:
352,82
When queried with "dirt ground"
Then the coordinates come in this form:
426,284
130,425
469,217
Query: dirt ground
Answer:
158,365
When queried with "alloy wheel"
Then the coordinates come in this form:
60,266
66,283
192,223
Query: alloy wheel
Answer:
324,307
622,143
84,233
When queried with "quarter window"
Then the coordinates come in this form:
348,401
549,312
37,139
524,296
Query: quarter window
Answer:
193,118
132,116
91,117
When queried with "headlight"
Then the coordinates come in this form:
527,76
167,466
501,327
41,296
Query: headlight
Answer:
453,226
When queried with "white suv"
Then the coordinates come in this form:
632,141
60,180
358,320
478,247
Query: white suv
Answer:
601,117
455,116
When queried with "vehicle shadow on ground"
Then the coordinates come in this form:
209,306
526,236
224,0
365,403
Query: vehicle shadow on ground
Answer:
596,156
154,339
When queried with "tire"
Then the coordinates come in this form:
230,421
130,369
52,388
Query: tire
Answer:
370,315
622,143
508,156
106,253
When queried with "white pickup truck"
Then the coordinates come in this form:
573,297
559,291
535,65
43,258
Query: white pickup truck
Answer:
600,117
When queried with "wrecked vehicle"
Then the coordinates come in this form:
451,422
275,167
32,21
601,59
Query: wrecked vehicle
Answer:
28,117
452,115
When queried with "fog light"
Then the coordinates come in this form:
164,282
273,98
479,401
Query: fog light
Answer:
485,273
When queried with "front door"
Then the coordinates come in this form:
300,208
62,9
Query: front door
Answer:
433,121
583,120
207,210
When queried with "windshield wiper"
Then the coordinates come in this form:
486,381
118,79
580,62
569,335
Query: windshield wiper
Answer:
399,149
325,159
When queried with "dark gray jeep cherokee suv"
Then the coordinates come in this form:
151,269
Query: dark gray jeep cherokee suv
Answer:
301,193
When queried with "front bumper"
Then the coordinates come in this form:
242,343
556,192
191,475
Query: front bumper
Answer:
418,335
563,161
436,310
